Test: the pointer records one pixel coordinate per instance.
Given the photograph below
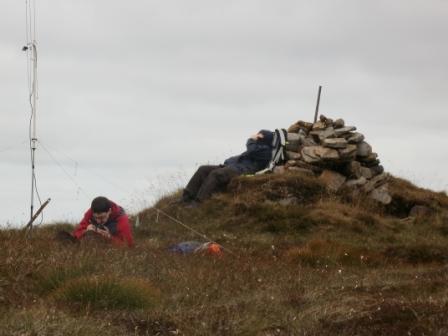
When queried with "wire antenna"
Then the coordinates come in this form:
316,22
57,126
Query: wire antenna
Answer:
31,53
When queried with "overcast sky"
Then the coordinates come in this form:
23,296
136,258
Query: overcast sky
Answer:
134,95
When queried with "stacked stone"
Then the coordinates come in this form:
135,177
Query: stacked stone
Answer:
338,154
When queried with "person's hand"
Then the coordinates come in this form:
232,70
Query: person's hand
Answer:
257,136
91,227
105,233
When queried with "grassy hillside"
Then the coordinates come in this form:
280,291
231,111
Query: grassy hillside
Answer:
298,261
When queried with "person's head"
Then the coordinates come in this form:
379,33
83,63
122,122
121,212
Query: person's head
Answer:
101,209
266,137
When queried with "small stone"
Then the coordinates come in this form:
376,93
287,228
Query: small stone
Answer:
371,164
356,183
339,123
338,143
366,173
364,149
322,118
355,138
319,126
300,125
376,170
419,211
290,163
381,195
341,131
288,201
293,155
332,179
372,157
305,125
329,122
348,153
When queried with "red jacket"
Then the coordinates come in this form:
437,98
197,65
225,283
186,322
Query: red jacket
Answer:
118,225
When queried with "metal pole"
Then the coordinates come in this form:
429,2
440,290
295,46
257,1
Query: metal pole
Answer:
30,223
33,130
317,104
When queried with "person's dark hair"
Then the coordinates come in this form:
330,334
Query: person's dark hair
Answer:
100,204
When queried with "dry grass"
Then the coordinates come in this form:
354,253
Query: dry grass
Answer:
323,266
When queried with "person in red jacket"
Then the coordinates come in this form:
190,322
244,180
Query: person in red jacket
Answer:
108,220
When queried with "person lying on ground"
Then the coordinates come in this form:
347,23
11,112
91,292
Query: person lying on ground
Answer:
107,219
209,179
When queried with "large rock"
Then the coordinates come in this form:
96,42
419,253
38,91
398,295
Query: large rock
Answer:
314,154
293,142
364,150
348,153
375,182
309,154
353,169
332,180
337,143
321,135
381,194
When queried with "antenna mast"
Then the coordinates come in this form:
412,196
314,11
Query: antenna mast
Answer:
31,52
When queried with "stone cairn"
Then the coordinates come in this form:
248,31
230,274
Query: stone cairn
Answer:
338,155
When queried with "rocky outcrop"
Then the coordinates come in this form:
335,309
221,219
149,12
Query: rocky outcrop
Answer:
339,155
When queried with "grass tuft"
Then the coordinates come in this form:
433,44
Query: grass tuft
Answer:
105,292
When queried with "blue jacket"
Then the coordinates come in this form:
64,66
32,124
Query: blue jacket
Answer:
255,158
